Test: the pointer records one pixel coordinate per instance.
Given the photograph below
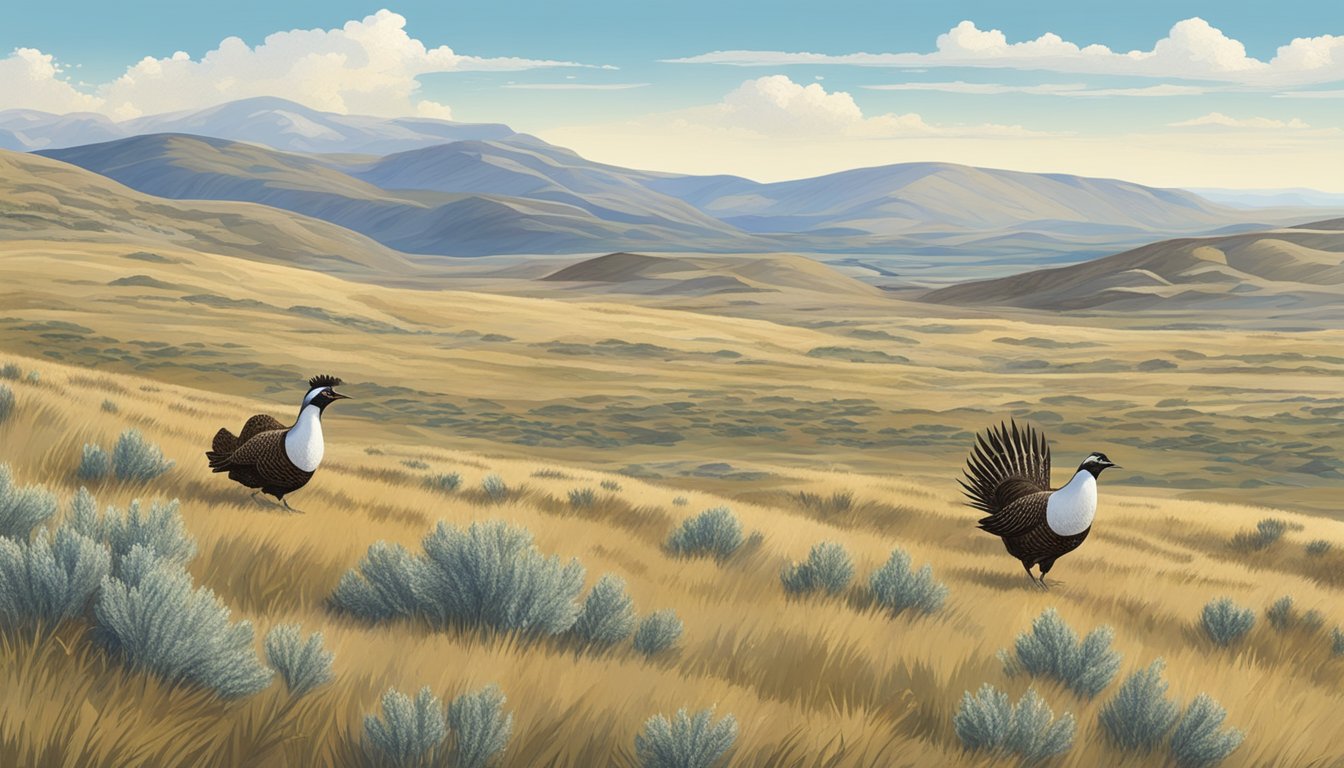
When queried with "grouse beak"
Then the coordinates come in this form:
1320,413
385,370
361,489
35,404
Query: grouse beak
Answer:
338,396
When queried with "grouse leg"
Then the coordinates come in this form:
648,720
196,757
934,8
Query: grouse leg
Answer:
286,503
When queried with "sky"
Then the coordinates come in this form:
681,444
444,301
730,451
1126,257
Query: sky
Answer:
1182,94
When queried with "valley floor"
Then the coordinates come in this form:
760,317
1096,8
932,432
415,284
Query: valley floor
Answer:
810,681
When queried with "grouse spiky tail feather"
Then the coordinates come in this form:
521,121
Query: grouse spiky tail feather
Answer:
1006,464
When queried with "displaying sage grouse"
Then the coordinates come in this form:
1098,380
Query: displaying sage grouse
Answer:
274,458
1008,476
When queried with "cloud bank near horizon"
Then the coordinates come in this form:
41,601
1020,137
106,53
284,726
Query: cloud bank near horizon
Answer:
1193,50
371,66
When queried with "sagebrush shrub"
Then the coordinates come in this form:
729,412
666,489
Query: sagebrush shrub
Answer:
680,501
1266,533
410,730
1281,614
479,728
22,508
1224,622
94,463
986,721
714,532
135,459
898,589
11,371
6,403
109,406
492,575
303,664
1312,620
607,616
159,531
1337,641
34,377
610,485
1051,649
1314,548
657,632
827,567
49,579
489,575
1199,740
494,488
153,620
382,587
447,483
1140,715
685,741
414,464
582,498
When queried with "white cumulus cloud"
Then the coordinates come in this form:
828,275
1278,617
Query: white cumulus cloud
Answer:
33,80
369,66
1192,49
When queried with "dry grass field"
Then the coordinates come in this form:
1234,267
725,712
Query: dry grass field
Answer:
813,419
811,681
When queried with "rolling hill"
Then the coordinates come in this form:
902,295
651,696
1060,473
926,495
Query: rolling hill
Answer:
633,273
1297,269
42,199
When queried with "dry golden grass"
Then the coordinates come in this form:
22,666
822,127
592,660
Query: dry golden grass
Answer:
811,681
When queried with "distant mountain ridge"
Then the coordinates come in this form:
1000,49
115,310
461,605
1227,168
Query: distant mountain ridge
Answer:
436,187
274,122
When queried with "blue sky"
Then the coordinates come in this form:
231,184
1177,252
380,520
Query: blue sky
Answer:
721,87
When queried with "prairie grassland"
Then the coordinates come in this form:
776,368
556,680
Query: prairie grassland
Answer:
812,681
683,395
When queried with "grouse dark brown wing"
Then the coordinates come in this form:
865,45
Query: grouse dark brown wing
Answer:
265,456
1018,517
262,422
1006,464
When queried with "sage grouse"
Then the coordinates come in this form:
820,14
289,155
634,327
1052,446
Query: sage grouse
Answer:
1008,476
272,457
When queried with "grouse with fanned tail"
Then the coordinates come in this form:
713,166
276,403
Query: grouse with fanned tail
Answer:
274,458
1008,476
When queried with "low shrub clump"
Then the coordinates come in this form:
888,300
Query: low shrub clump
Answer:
1314,548
417,733
714,532
94,463
610,485
134,459
494,488
11,371
489,575
1140,718
607,617
447,483
898,589
1266,533
986,721
22,508
1224,622
685,741
303,664
657,633
582,498
6,403
1281,614
1052,649
827,567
